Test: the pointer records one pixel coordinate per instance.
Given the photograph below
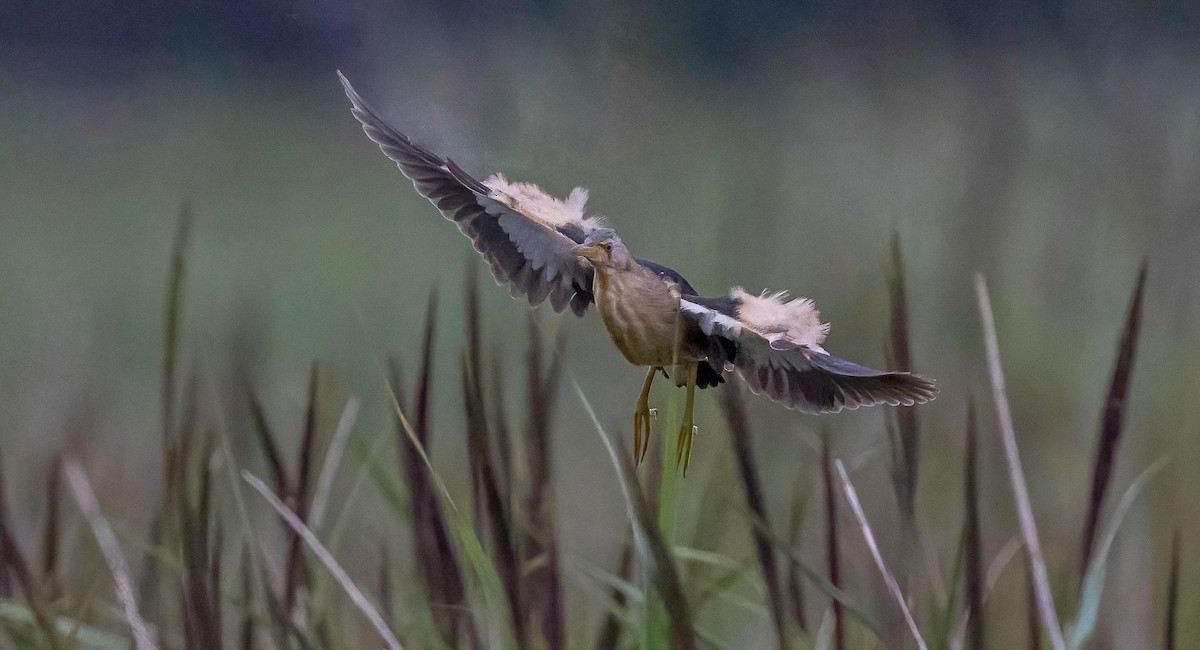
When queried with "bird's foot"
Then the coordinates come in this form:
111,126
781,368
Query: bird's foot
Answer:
641,431
683,446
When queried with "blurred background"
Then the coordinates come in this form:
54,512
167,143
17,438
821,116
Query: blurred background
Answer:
1051,147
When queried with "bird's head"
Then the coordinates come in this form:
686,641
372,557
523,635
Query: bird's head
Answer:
603,248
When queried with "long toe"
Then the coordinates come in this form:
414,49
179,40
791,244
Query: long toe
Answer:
682,443
637,435
687,454
641,434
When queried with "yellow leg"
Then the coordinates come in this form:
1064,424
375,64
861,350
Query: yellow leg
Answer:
683,446
641,419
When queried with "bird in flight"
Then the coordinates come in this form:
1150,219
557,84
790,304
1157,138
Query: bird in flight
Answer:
549,249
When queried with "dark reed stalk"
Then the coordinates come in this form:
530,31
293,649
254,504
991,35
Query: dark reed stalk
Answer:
7,555
1033,619
148,581
13,563
386,595
500,427
51,580
972,543
282,628
200,550
1172,596
488,505
609,637
296,573
1112,420
246,630
831,542
795,586
471,384
294,490
904,435
199,600
901,424
433,550
266,441
739,432
173,317
543,584
488,502
664,574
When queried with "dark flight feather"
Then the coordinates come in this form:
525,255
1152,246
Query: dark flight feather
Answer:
794,375
533,257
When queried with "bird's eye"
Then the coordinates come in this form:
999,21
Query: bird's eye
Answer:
608,248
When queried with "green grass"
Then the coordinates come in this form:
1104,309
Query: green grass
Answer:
464,594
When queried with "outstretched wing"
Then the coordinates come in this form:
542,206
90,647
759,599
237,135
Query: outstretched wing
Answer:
789,365
525,235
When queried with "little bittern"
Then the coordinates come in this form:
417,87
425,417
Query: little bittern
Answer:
551,249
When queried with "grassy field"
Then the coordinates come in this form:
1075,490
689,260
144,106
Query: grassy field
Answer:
472,477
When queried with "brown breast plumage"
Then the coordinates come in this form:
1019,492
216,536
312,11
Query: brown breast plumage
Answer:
640,311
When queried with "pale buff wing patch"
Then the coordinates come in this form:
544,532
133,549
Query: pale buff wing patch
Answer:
535,203
779,320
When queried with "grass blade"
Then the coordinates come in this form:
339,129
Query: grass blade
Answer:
496,515
333,457
795,588
973,547
266,440
649,540
1041,581
50,531
831,543
888,578
477,557
905,441
13,560
81,488
1093,581
1172,596
200,574
609,637
995,569
1112,419
489,505
295,573
543,582
433,550
246,632
173,318
1031,608
297,525
818,579
85,636
739,432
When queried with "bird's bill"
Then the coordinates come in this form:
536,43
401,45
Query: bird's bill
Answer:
589,252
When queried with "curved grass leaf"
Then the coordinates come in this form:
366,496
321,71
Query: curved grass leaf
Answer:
1093,581
86,636
649,540
1112,419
